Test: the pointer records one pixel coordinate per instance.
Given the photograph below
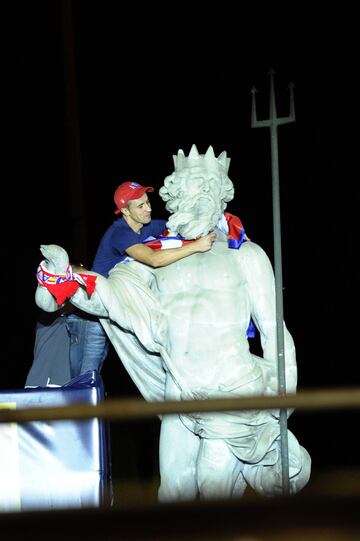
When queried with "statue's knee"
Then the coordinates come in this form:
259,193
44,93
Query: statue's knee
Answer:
217,473
175,485
267,479
301,479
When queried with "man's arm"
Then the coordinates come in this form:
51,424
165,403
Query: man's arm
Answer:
161,258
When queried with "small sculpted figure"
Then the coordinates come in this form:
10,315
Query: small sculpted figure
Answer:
181,332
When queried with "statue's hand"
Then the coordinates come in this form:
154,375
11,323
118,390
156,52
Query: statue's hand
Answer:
45,301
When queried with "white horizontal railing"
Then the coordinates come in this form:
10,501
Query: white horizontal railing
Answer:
127,409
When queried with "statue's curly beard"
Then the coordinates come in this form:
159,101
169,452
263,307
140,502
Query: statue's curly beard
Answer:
195,218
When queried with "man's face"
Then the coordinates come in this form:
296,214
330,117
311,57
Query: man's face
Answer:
139,210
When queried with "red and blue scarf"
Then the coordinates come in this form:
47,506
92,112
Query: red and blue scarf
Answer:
63,286
236,236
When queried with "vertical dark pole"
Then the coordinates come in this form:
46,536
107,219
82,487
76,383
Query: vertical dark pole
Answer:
279,306
273,122
76,192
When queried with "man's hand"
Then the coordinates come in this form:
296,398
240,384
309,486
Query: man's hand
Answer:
204,244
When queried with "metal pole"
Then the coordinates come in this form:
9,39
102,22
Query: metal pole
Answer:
273,123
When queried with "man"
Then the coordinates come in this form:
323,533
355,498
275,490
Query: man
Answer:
123,242
124,239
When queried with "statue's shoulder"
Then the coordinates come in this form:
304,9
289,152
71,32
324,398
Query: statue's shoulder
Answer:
252,249
254,257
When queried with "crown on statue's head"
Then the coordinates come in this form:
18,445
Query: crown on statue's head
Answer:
207,161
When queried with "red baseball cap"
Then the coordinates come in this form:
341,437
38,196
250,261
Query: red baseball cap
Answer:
127,191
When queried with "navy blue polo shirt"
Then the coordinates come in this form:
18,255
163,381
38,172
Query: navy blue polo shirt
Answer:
117,239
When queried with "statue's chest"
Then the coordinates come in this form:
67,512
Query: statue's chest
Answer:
219,269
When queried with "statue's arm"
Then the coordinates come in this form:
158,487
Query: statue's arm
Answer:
96,304
45,301
261,286
56,263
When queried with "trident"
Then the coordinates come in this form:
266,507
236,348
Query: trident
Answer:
273,122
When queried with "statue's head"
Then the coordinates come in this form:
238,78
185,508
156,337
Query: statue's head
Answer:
197,192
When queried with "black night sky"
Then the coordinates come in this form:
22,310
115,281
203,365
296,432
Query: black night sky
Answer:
102,92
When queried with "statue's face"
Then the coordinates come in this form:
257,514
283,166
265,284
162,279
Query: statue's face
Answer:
194,199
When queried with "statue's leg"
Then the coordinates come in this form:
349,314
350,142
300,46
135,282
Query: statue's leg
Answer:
299,464
178,454
265,477
219,471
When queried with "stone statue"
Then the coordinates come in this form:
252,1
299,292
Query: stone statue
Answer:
181,332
